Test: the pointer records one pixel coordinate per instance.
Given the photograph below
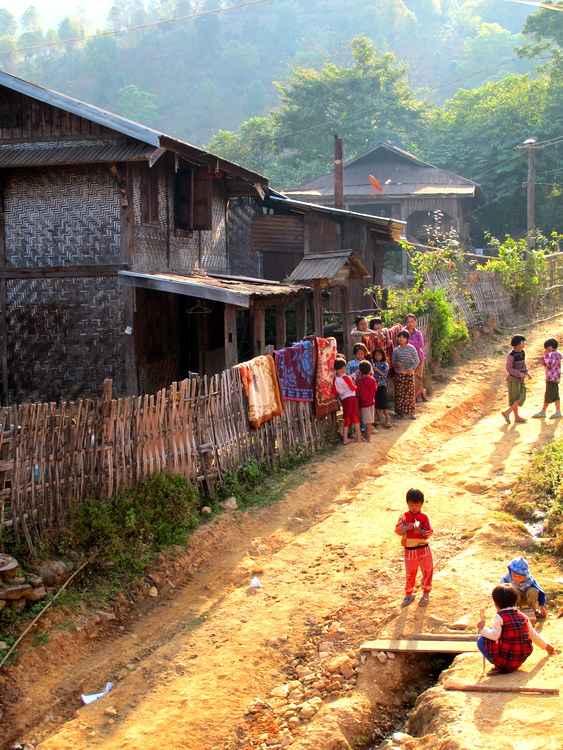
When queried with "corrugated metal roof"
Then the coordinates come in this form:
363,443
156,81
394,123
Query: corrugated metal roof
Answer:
228,289
123,125
327,266
77,152
406,174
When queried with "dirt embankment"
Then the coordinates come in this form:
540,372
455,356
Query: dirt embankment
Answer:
188,668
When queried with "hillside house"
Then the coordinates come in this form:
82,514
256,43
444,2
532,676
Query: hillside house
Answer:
114,257
412,191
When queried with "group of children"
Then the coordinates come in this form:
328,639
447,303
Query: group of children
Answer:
508,643
517,373
362,388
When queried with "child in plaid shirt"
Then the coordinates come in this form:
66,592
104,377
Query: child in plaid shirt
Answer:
508,643
551,360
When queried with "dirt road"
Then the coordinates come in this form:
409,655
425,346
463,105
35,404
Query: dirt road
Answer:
187,668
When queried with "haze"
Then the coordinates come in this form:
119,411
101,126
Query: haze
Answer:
53,11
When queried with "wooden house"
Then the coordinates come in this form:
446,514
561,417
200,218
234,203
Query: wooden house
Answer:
411,191
114,257
270,236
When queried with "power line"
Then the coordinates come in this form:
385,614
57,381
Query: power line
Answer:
132,28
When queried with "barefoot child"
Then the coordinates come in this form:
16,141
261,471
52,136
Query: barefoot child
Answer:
366,390
415,529
516,373
530,593
381,371
346,389
508,643
551,360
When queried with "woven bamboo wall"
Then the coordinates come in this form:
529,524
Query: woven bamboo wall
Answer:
54,327
52,455
158,248
62,216
243,261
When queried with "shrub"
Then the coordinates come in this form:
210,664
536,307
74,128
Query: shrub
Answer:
128,528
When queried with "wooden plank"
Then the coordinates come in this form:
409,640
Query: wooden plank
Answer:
421,647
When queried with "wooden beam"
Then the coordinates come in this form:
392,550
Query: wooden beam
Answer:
345,309
318,308
259,328
281,326
421,647
231,345
60,272
301,320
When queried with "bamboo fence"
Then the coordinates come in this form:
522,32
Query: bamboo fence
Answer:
53,455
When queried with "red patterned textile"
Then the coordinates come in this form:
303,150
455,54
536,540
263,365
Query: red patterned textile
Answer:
326,402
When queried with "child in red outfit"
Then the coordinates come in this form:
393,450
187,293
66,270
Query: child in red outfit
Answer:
346,389
415,529
366,388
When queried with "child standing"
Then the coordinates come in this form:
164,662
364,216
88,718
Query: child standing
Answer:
530,593
415,529
508,643
516,373
346,389
360,352
366,390
551,360
381,372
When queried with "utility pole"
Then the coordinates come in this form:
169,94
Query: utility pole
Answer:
529,145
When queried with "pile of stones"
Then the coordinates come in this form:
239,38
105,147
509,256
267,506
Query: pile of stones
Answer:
19,589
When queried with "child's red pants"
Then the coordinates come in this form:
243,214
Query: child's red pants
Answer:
420,557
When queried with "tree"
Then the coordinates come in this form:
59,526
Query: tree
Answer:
364,102
137,105
475,135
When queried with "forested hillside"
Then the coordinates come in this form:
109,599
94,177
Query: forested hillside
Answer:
196,76
268,83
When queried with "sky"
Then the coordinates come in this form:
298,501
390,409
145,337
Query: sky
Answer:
53,11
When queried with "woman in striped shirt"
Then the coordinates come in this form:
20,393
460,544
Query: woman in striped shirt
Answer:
405,361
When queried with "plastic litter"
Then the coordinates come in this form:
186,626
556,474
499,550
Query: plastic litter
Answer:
86,699
255,583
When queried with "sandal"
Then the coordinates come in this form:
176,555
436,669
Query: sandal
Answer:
424,601
388,424
409,599
506,417
521,420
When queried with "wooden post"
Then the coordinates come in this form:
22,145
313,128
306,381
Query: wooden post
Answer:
3,303
301,319
318,307
404,269
231,345
338,174
281,327
259,328
344,307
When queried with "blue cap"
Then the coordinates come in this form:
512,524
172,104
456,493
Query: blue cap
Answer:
519,566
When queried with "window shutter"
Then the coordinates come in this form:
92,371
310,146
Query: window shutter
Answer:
203,201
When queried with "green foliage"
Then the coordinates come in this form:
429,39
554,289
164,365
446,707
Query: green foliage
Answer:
368,99
447,331
522,271
539,492
138,105
130,527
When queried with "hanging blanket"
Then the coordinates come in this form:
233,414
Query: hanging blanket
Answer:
296,370
262,388
326,402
